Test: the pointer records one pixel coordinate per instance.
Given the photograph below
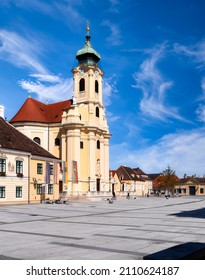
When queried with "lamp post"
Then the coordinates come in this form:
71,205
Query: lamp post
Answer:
89,183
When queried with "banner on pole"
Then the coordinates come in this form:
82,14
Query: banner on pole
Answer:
48,172
75,172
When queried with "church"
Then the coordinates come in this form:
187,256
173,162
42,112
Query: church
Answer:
75,130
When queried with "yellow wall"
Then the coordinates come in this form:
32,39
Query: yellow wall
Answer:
40,179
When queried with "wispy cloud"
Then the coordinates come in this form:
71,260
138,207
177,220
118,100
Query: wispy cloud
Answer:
115,38
109,90
114,8
112,117
196,52
50,87
154,88
67,10
182,151
201,113
20,51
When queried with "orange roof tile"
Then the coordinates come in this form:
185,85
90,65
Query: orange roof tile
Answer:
36,111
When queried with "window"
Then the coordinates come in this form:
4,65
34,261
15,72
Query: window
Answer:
51,169
2,166
18,192
39,168
82,85
19,167
201,190
50,189
98,144
2,192
39,189
81,144
97,112
96,86
37,140
57,142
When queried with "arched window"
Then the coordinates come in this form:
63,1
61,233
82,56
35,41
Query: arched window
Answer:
96,86
82,84
37,140
57,141
97,112
98,144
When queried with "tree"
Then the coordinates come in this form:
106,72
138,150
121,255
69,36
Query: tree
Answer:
168,179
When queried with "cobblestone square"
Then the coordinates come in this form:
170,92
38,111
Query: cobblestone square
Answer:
128,229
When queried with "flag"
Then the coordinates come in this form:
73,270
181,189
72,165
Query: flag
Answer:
48,172
75,172
55,174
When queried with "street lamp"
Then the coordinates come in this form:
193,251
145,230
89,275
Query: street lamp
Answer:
89,183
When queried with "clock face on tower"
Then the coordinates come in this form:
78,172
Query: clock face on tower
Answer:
96,73
81,71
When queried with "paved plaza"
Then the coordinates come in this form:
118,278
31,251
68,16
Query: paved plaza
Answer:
128,229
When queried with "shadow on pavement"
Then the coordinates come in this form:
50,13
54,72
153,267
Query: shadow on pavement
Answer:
186,251
199,213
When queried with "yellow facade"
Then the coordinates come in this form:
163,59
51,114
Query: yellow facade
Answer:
46,133
29,184
85,136
82,132
192,186
135,187
41,190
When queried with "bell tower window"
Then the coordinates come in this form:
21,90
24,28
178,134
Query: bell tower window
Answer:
82,84
96,86
98,144
97,112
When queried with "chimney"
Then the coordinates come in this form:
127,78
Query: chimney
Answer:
2,111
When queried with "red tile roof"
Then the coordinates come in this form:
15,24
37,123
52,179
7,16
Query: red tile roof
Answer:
12,139
35,111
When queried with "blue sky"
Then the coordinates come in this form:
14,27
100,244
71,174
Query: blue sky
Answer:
153,56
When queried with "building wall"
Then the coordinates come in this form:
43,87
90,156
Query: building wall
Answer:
46,133
184,189
11,180
39,189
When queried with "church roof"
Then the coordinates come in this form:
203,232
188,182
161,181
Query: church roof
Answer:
12,139
35,111
87,55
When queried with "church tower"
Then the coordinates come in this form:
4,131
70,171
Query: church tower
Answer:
84,131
